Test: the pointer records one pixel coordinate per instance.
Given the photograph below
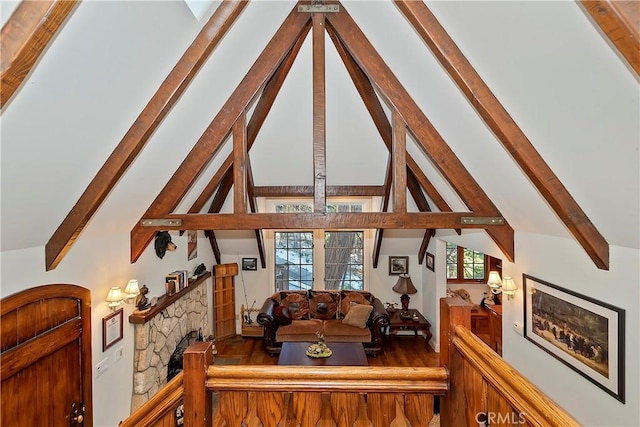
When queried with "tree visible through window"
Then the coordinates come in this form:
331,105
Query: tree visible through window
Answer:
465,265
344,260
294,260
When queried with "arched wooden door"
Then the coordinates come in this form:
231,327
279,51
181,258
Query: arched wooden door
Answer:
46,357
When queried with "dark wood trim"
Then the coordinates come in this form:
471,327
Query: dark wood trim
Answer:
620,22
24,38
398,156
508,132
427,137
165,301
307,191
240,164
319,116
211,140
139,133
372,220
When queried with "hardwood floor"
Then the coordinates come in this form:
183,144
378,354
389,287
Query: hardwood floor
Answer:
406,351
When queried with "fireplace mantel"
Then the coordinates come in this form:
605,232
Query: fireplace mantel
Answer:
165,301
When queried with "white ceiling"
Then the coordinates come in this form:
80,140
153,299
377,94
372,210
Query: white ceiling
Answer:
563,84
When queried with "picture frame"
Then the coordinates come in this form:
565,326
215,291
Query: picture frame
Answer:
112,328
431,261
250,264
398,265
583,333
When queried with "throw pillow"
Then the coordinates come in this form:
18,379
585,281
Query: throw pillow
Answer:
281,314
358,315
322,305
348,298
297,305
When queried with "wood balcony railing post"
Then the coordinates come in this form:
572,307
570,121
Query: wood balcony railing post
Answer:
197,399
453,312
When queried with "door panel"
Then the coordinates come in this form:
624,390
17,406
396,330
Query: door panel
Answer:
46,356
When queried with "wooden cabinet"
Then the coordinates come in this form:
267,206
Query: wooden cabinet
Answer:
495,328
224,300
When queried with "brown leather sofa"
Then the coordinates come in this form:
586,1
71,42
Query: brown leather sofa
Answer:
301,315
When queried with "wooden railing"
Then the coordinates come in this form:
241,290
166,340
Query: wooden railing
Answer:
307,396
474,385
160,410
483,387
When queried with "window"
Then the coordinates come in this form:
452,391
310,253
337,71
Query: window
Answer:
344,260
294,260
466,265
320,259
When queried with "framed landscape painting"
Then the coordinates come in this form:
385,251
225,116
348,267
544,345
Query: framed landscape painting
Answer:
585,334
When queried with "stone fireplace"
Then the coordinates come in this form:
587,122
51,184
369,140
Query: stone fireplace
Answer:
158,333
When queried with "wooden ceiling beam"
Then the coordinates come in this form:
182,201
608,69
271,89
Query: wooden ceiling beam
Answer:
240,164
422,252
399,162
143,127
253,207
419,125
388,181
620,23
359,220
211,140
263,106
24,38
507,131
307,191
319,116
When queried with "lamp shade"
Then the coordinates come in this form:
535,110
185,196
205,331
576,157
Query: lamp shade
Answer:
494,279
114,297
404,285
132,288
509,286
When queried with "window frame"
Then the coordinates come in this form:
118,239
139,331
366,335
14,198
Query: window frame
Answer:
319,282
460,267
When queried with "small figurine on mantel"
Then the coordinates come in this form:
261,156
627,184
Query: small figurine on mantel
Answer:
142,301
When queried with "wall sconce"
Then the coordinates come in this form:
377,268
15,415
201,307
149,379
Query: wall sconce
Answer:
131,291
114,297
494,279
509,287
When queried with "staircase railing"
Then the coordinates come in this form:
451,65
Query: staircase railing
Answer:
307,396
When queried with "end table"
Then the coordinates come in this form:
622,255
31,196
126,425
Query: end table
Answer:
402,320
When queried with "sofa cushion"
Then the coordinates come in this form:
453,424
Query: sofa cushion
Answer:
282,316
336,331
323,305
300,330
347,297
297,305
358,315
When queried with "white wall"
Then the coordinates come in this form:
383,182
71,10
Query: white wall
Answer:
97,264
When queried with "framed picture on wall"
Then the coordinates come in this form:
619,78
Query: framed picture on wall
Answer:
585,334
112,329
431,261
250,264
398,265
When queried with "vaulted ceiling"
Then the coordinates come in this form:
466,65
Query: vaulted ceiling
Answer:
399,120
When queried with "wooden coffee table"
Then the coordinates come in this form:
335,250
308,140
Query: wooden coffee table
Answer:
344,354
398,323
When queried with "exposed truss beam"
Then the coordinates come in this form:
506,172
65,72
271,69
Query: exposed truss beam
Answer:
24,38
620,22
399,162
263,106
409,220
143,127
252,206
307,191
507,131
240,164
422,252
418,124
319,116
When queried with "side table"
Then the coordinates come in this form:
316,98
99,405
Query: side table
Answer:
405,322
